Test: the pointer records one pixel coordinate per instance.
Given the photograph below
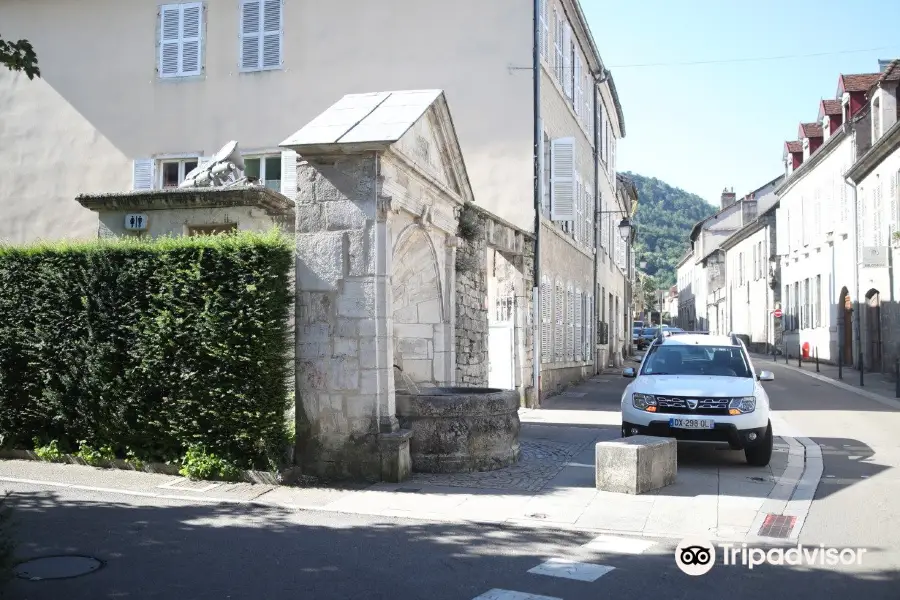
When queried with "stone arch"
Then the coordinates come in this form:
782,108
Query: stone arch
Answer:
873,329
845,325
418,307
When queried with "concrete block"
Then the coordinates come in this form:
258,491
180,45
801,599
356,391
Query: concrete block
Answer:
320,261
361,259
636,465
309,218
343,373
413,347
413,330
346,346
396,464
407,314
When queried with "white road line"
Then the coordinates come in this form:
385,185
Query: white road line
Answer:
567,569
618,545
498,594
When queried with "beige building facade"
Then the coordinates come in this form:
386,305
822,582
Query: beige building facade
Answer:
186,77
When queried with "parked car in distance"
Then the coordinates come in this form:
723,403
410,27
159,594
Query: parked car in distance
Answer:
700,388
648,334
636,336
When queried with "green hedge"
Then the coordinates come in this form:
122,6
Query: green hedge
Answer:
147,349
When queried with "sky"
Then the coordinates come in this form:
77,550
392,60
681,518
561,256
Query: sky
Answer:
704,127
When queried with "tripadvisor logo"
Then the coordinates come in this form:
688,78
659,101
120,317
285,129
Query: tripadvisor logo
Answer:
698,556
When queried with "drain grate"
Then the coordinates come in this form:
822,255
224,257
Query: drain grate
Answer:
777,526
57,567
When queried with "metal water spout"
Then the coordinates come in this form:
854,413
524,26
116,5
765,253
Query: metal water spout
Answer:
411,387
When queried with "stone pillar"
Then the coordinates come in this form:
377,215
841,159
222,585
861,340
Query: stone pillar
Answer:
344,380
471,310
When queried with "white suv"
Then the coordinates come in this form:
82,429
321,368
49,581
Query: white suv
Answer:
700,388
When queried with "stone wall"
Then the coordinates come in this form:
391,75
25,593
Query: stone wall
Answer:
344,383
471,300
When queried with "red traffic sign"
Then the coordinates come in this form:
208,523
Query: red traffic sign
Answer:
777,313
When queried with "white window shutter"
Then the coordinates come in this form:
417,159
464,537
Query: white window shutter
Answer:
251,22
570,323
567,60
191,33
169,40
558,334
577,78
289,174
579,330
142,174
546,325
893,218
562,179
540,163
272,34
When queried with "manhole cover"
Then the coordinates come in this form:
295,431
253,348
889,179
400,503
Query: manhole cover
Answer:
777,526
760,479
57,567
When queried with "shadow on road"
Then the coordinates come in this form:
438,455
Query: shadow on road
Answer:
219,551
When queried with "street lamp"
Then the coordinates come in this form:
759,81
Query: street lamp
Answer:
625,229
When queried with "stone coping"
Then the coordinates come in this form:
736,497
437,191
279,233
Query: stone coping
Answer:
262,197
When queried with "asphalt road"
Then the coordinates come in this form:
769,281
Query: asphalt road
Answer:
173,549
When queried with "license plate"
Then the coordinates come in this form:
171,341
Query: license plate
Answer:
692,423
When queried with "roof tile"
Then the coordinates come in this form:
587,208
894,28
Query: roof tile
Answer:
811,130
831,107
796,146
859,82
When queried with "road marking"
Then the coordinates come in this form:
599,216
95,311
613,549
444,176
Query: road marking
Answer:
498,594
171,486
567,569
844,386
619,545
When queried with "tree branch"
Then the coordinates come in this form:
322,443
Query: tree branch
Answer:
19,56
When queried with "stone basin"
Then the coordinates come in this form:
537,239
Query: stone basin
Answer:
461,429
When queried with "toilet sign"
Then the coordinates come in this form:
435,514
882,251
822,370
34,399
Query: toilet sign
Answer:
777,313
136,222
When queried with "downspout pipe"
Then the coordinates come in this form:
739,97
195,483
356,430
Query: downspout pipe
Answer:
538,192
599,78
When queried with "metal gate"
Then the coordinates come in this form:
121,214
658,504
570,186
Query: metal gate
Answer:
501,344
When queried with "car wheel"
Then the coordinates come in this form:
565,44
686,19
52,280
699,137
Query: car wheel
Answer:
760,454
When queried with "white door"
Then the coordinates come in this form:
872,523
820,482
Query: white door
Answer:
501,345
500,356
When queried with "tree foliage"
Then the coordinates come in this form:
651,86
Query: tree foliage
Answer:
19,56
664,219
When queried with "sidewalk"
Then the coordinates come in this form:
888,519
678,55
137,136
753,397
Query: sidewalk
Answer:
875,386
716,495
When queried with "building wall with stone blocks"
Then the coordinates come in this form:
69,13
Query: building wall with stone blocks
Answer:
566,266
472,307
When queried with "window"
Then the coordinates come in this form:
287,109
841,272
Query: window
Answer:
876,213
599,124
180,39
172,171
545,32
559,62
546,170
589,329
195,230
806,305
577,81
266,169
717,361
894,207
261,35
817,309
563,180
876,118
567,79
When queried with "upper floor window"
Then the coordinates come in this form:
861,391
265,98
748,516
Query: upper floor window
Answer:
266,169
173,171
180,40
261,35
559,61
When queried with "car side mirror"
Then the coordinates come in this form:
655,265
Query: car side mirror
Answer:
766,376
628,372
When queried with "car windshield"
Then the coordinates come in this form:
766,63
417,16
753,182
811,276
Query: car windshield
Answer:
722,361
636,331
651,331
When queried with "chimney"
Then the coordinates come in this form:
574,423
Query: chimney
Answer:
728,197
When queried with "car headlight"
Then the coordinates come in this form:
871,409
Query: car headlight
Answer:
740,406
644,402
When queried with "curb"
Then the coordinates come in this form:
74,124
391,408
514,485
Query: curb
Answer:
844,386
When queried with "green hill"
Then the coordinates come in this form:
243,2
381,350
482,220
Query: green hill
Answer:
664,218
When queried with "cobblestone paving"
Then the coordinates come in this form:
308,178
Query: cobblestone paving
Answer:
540,461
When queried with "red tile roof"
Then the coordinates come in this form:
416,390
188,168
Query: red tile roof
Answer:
857,83
794,146
830,107
811,130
